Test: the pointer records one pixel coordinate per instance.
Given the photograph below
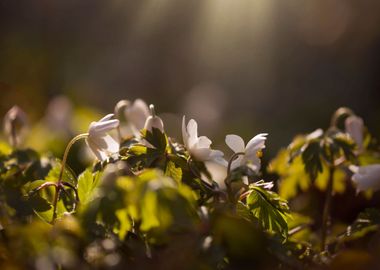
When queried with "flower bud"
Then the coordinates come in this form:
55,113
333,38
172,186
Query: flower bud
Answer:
15,125
153,121
354,126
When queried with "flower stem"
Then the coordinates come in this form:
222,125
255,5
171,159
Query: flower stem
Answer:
227,180
59,186
326,208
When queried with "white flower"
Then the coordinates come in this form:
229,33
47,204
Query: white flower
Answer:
15,125
366,177
199,147
153,121
135,115
100,143
250,156
218,173
354,127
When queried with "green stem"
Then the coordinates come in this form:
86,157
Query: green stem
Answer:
59,186
227,180
326,208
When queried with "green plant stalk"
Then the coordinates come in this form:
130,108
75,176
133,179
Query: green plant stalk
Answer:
60,185
227,181
326,208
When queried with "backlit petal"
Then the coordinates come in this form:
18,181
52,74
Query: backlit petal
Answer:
235,142
256,143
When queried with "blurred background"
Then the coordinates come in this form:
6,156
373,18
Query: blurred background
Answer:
244,67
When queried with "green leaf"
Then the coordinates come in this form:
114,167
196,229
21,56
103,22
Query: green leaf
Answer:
42,207
87,183
68,174
345,144
271,211
311,158
173,172
137,150
5,149
293,175
367,221
156,138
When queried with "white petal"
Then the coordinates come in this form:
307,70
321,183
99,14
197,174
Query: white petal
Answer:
112,146
256,143
200,154
236,163
218,173
185,135
100,155
219,159
137,114
192,130
252,161
203,142
235,142
107,117
104,126
367,177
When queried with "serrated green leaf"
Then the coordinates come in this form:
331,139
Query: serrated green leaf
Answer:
87,183
311,158
271,211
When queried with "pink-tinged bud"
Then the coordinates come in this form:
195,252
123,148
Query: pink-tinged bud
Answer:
15,125
153,121
366,177
354,126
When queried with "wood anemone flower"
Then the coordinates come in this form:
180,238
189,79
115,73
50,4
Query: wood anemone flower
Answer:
354,126
247,154
366,177
102,144
199,147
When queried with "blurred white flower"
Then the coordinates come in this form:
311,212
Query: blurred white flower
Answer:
218,173
153,121
102,144
59,114
15,125
354,127
135,115
250,151
366,177
199,147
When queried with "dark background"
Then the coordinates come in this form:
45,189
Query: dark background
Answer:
241,66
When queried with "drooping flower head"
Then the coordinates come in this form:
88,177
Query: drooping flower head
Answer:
199,147
102,144
15,125
366,177
133,116
153,121
354,126
249,152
